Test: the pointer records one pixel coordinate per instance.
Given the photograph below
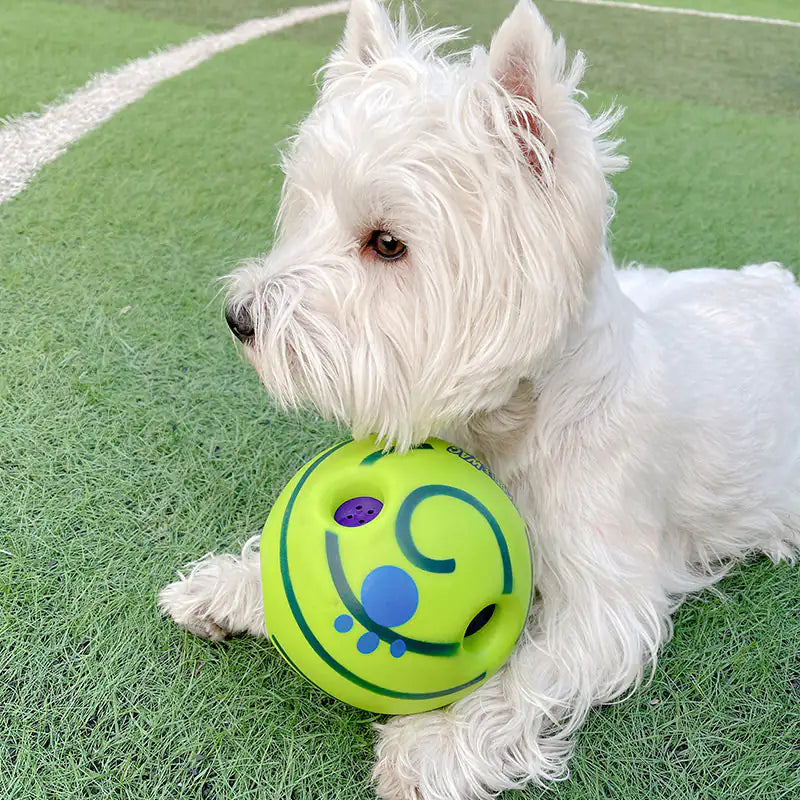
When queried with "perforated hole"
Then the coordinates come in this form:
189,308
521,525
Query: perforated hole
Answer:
358,511
480,620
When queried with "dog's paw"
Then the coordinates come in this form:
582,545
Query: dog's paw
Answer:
189,608
190,601
417,758
220,597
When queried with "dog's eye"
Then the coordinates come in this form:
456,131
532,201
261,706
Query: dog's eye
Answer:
386,246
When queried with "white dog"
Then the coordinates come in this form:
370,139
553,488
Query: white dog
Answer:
440,267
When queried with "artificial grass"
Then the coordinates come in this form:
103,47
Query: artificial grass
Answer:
663,56
47,48
701,61
704,189
133,439
213,14
773,9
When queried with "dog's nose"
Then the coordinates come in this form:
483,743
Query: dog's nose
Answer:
240,322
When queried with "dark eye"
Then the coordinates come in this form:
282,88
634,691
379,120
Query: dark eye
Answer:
386,246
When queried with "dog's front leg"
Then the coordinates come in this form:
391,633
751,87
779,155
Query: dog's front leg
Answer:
597,624
220,596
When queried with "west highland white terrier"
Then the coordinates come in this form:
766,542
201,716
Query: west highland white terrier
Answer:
440,268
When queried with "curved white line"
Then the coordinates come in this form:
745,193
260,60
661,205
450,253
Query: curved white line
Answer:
31,141
689,12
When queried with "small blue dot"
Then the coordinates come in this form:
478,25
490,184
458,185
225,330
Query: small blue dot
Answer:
368,642
397,648
389,595
343,623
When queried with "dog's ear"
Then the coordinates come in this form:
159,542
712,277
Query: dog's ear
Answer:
522,58
368,33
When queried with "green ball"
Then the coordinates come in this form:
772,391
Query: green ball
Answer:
396,583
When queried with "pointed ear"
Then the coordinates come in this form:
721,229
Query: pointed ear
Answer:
520,61
368,35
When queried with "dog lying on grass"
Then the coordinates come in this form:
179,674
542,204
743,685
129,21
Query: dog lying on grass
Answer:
441,267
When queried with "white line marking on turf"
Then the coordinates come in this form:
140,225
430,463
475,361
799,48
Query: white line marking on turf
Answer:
33,140
690,12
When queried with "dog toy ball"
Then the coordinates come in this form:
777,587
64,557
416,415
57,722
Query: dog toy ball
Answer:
395,582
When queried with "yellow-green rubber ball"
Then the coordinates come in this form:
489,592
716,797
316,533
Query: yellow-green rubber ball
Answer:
396,583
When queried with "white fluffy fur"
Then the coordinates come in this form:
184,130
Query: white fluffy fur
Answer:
645,422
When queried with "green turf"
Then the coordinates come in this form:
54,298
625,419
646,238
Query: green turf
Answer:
702,188
773,9
133,439
47,48
699,60
214,14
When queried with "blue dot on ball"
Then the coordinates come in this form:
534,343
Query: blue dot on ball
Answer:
343,623
368,642
397,648
389,596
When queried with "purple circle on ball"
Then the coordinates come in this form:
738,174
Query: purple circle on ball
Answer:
357,511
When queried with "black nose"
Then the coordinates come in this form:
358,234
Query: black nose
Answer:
240,321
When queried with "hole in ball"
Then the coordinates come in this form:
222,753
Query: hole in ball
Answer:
357,511
480,620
